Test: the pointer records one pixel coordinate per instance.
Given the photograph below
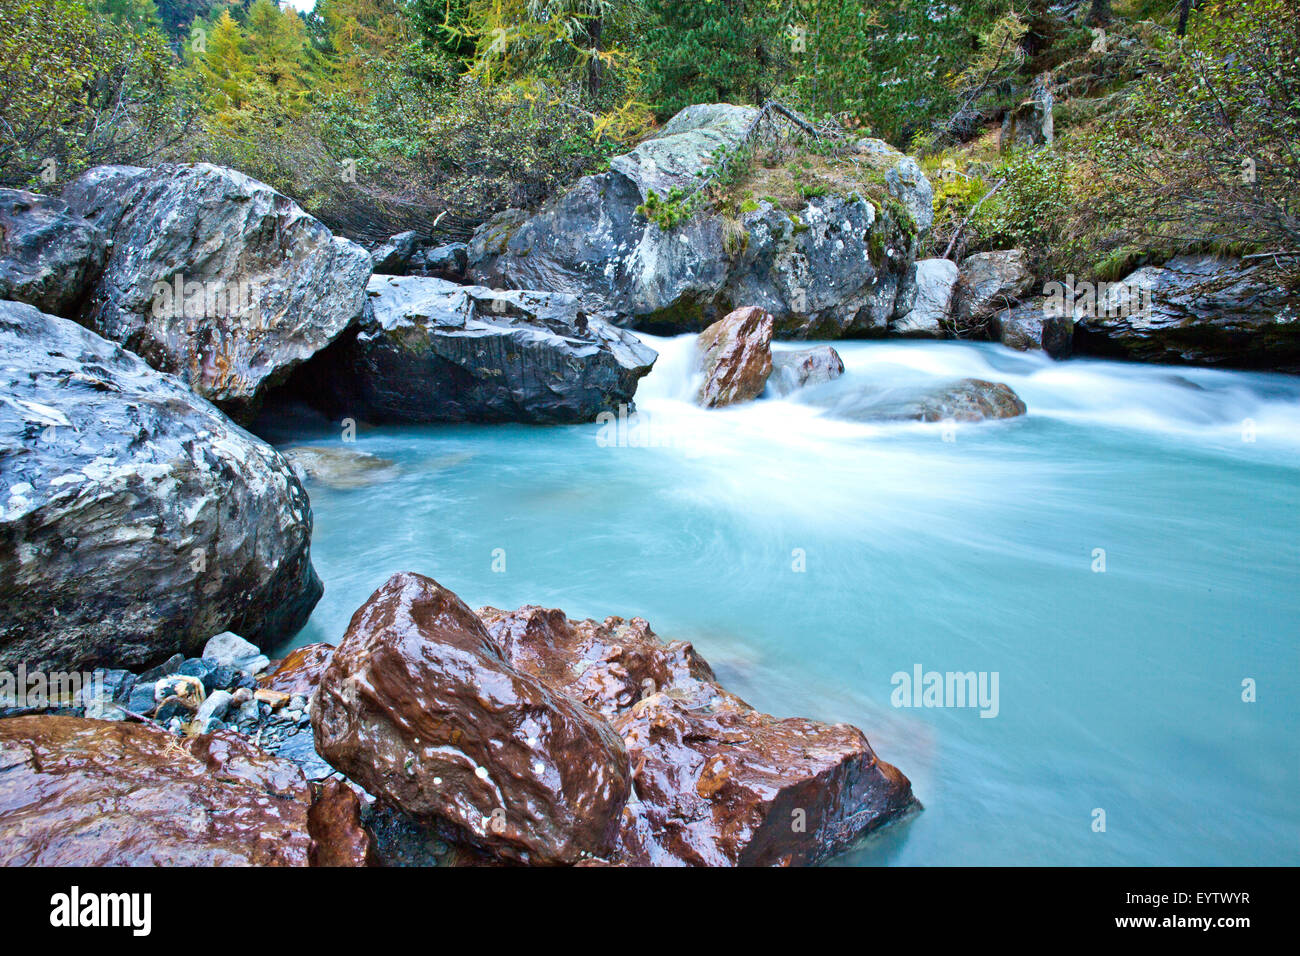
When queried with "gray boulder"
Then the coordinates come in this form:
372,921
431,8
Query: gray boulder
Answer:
1034,327
49,258
987,283
136,520
432,351
1030,122
832,267
1198,310
215,276
925,310
793,370
409,254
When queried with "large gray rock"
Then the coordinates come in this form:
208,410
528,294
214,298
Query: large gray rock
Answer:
48,257
433,351
1030,122
409,254
987,283
926,309
831,268
137,521
215,276
1198,310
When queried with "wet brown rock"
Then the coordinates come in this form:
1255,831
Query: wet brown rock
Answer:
299,672
736,357
420,707
95,793
716,783
338,837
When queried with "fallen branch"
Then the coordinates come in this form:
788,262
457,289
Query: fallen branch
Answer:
971,215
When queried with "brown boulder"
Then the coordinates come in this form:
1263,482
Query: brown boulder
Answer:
299,672
419,706
95,793
716,783
735,354
338,837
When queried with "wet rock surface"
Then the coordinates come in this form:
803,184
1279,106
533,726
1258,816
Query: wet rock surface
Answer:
1199,310
87,792
420,707
49,257
715,782
433,351
1032,327
795,370
735,355
966,400
139,521
268,285
987,283
925,309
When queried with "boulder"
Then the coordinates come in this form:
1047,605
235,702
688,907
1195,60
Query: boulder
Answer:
432,351
987,283
831,267
215,276
137,520
1029,123
409,254
421,708
49,258
795,370
1197,310
925,311
338,467
300,671
715,782
76,792
1033,327
966,400
338,837
735,355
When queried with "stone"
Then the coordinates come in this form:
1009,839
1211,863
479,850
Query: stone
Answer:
419,706
77,792
168,667
215,277
341,468
715,782
1032,327
987,283
1197,310
215,705
735,355
793,370
965,400
433,351
338,836
49,257
229,648
829,268
926,310
272,698
1030,123
299,672
175,708
139,519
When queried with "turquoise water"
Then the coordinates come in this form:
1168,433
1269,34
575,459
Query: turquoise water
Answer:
971,548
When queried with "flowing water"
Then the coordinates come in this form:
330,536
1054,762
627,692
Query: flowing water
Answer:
1122,558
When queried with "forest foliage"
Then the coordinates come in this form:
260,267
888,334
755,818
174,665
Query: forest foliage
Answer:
381,115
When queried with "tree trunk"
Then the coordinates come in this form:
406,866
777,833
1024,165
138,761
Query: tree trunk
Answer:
1184,8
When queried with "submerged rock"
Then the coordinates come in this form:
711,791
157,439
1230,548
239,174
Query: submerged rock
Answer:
215,276
341,468
735,355
1199,310
966,400
795,370
433,351
49,258
833,265
137,520
422,709
715,782
77,792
